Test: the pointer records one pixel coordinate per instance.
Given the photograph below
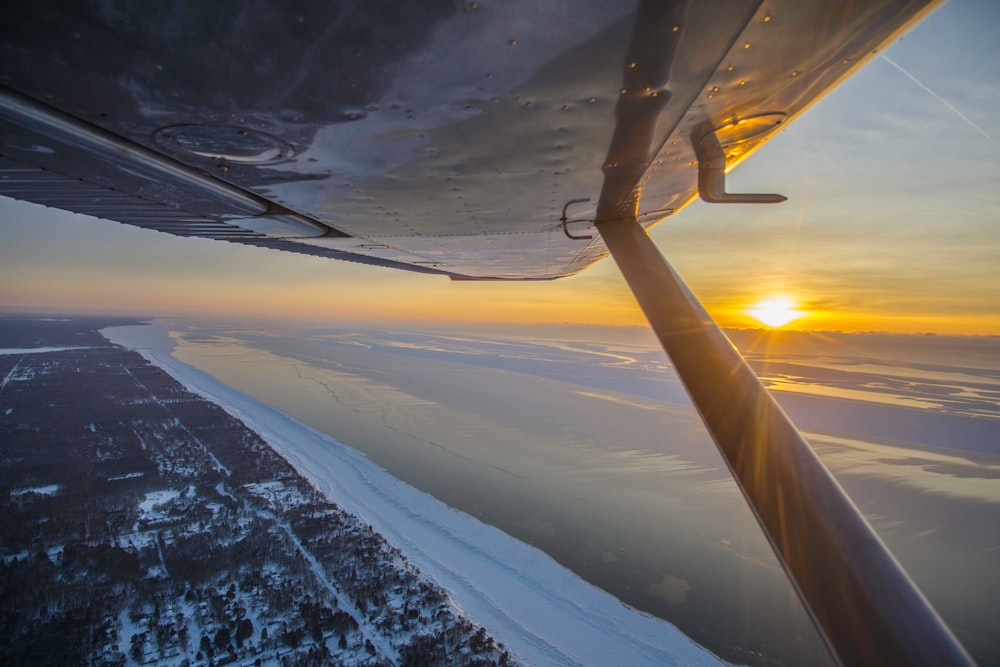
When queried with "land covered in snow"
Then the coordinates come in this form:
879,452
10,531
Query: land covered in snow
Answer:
541,612
142,524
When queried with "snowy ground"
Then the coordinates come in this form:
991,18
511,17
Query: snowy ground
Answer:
543,613
40,350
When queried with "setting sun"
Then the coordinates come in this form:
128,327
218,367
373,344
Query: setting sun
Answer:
775,312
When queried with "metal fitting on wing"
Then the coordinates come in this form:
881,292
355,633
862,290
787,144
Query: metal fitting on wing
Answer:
712,171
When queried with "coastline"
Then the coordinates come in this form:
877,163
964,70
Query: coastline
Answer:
543,613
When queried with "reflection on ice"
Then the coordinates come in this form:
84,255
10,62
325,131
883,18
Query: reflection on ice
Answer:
589,450
924,470
647,463
671,589
871,395
621,400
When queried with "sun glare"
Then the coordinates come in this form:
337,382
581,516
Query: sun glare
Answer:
775,312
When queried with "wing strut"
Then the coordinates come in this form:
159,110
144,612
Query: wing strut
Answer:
864,605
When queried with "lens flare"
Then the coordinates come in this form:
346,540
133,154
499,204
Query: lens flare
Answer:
775,312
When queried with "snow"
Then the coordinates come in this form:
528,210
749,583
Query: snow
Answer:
38,350
543,613
47,490
131,475
277,495
10,558
55,553
156,498
137,540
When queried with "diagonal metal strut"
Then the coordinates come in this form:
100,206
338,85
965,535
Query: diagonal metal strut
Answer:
865,606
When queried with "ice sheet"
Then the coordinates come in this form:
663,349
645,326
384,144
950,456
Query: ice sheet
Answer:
539,610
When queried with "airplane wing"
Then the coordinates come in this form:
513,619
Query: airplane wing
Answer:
462,138
480,140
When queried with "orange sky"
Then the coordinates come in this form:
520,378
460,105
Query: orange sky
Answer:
891,225
175,275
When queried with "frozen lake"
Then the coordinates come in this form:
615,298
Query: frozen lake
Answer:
586,447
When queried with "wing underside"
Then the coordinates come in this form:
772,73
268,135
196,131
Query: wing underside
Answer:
469,140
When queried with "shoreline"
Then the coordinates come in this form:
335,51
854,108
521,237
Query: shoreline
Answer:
539,610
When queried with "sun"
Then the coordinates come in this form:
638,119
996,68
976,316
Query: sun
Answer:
775,312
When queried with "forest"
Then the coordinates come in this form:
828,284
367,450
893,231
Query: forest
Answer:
141,524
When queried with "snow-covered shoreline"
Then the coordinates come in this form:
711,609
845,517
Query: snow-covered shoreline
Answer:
543,613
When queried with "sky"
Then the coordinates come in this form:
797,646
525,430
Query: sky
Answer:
892,224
